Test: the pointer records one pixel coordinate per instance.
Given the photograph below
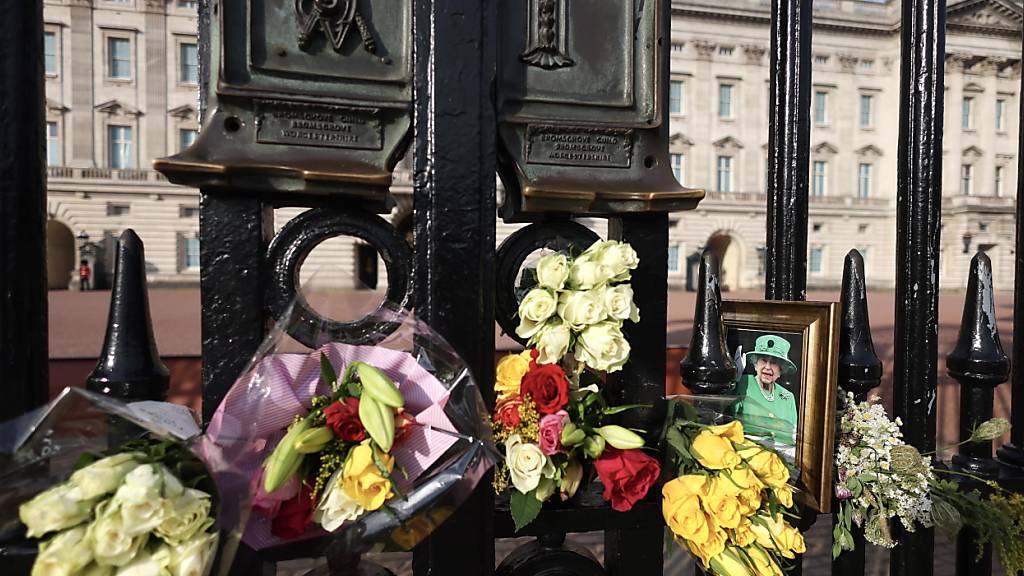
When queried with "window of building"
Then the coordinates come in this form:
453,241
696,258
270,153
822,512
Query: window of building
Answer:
677,166
1000,177
725,100
188,211
50,53
186,137
966,179
673,258
190,253
867,64
118,209
867,105
820,59
817,253
864,180
1001,115
677,47
675,97
119,58
725,50
817,226
968,113
52,145
725,174
862,228
121,147
820,107
187,4
189,54
820,178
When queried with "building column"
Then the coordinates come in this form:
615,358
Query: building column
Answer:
81,153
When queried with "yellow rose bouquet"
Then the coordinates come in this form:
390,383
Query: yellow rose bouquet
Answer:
729,500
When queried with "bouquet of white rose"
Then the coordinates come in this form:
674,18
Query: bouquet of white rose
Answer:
577,308
126,513
106,487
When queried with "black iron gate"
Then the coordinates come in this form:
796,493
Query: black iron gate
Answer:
455,269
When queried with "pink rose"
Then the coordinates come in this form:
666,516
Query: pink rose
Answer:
268,505
550,435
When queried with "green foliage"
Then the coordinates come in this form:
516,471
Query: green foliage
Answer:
525,507
328,377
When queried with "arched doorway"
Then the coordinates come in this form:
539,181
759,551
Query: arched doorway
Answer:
729,256
60,255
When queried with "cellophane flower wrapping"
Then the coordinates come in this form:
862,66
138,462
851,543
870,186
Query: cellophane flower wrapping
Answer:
442,449
42,450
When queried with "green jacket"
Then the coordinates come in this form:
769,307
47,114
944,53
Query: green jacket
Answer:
762,417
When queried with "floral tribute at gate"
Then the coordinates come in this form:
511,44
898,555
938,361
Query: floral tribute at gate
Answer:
729,501
550,416
135,511
334,464
880,478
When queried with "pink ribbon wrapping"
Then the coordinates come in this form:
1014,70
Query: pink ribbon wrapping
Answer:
266,399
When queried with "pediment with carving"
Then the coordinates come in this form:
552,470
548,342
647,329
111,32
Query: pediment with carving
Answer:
1001,16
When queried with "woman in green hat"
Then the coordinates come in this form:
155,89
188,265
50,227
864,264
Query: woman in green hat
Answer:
767,408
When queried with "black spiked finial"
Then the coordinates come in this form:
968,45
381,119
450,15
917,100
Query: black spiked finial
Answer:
978,354
129,367
708,367
979,364
860,370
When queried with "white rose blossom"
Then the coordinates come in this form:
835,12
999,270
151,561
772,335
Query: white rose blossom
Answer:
56,508
140,499
553,271
603,347
337,507
538,305
618,302
526,463
587,272
187,514
580,309
552,342
148,563
112,545
66,554
103,476
195,557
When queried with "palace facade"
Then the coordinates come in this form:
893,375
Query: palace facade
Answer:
122,90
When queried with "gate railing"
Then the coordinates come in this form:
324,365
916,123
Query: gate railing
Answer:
456,267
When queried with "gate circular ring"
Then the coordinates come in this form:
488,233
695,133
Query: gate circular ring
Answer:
514,251
289,249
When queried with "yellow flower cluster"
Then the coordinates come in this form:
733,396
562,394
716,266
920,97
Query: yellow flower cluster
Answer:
363,481
723,515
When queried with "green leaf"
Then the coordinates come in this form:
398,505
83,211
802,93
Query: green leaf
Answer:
328,376
836,550
689,412
525,507
855,486
679,443
618,409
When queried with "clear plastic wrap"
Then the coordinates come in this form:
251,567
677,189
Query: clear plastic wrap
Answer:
43,448
446,449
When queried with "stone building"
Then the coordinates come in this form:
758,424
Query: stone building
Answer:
121,91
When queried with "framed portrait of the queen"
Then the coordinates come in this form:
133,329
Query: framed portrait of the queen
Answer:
786,357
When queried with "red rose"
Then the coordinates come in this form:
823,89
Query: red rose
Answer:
343,418
507,413
294,516
403,426
626,475
548,387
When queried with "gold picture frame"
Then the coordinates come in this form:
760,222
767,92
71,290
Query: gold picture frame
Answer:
816,325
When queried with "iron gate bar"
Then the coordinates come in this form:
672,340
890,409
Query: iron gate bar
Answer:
24,348
918,215
642,379
1013,452
789,140
454,127
860,370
